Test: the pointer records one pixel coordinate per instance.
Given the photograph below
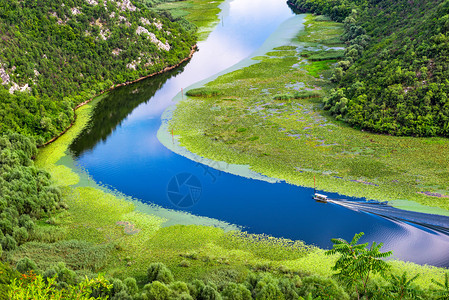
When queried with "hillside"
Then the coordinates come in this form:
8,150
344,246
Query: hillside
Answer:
57,54
62,236
394,77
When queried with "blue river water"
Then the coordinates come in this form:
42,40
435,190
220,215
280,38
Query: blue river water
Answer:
120,149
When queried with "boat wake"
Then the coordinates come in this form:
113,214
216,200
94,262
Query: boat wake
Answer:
434,222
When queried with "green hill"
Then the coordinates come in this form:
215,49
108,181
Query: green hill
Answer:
60,53
394,77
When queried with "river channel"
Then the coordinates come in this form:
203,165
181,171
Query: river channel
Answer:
120,149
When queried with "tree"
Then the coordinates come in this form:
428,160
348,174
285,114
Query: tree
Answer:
357,262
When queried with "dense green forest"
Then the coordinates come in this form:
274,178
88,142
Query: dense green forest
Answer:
394,76
61,53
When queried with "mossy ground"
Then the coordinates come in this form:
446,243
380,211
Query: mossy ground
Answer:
295,140
103,232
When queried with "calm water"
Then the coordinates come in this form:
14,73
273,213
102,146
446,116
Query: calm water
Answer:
121,149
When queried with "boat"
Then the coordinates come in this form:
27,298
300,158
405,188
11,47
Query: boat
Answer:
320,197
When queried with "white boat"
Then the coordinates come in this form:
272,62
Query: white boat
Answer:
320,197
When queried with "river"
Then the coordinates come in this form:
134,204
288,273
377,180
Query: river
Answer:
120,149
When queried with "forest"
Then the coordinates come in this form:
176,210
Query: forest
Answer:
393,79
61,53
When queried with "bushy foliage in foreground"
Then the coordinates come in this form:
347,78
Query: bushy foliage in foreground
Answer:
393,77
32,286
358,268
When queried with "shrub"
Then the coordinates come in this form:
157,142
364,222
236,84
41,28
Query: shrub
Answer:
195,288
62,274
122,295
319,286
203,92
117,286
209,293
283,97
20,234
157,291
25,264
6,226
159,272
235,291
131,285
268,291
307,94
179,290
288,288
184,263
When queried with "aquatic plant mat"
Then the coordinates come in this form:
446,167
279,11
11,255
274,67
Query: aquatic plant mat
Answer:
269,116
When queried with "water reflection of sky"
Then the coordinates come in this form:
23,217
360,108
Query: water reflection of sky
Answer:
414,243
133,161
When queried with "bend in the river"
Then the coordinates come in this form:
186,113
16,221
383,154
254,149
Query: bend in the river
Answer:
121,149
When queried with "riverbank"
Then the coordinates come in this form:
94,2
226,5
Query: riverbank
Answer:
134,234
121,236
164,70
269,116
